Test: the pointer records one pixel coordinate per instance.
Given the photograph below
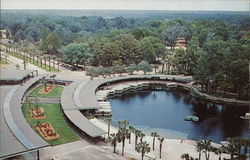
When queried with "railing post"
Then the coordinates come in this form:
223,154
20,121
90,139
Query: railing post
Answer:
37,155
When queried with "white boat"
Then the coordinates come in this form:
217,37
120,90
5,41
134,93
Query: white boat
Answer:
192,118
247,116
188,118
195,119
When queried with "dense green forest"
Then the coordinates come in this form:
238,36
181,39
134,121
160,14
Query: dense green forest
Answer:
216,44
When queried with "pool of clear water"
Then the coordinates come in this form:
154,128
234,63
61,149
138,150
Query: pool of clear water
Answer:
164,112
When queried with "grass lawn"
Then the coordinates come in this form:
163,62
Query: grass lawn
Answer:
3,62
55,118
43,66
56,92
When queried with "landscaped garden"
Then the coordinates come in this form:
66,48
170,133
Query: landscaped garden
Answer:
53,128
50,91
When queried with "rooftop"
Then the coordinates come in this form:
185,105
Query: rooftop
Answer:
14,75
74,115
16,136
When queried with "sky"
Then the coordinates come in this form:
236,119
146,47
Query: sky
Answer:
208,5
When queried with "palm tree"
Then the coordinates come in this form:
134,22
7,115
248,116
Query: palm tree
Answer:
41,62
186,156
237,142
49,58
6,58
36,102
29,101
53,58
37,56
119,123
206,146
141,136
161,141
17,67
231,149
58,64
24,63
218,151
156,67
44,81
154,135
131,129
246,144
113,139
143,148
137,134
123,134
45,58
53,77
109,120
199,148
123,124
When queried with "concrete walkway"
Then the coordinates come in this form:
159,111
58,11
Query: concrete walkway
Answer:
79,150
28,66
49,100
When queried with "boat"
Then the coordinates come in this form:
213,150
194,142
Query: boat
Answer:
188,118
195,119
192,118
247,116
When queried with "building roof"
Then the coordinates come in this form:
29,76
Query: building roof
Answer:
9,144
84,124
73,113
13,75
33,139
16,136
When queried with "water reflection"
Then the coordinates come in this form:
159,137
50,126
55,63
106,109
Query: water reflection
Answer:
167,110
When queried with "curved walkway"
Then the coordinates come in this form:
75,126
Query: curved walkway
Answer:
18,118
12,111
88,97
72,112
9,144
9,119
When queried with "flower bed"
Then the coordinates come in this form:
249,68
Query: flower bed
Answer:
37,113
47,89
47,131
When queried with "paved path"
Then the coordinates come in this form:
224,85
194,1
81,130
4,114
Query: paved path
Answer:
20,63
49,100
80,150
43,61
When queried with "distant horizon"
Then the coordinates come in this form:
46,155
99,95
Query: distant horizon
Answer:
41,9
164,5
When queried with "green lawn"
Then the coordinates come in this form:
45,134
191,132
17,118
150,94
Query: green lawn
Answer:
55,118
3,62
43,66
56,92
